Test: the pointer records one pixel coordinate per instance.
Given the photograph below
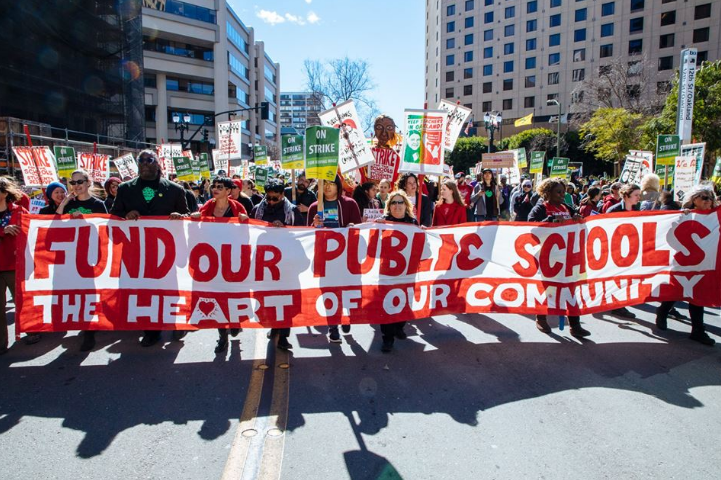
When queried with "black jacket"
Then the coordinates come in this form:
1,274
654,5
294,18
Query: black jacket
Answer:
523,206
539,214
169,198
307,198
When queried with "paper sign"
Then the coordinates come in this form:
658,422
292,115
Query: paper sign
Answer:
321,152
667,149
684,177
498,160
291,152
65,161
126,166
422,150
521,160
385,166
354,151
457,116
183,168
37,164
631,173
261,177
220,163
697,151
537,159
372,214
559,167
166,152
260,154
204,167
662,170
97,165
229,140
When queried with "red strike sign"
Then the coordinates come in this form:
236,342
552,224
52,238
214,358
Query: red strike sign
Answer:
37,165
102,273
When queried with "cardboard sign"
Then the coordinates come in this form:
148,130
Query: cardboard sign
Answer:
668,147
184,169
126,166
684,177
537,160
166,152
97,166
457,116
321,152
37,164
498,160
385,166
559,167
291,152
65,161
229,143
220,163
422,151
631,173
354,151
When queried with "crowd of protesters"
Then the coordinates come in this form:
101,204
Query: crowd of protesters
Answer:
464,198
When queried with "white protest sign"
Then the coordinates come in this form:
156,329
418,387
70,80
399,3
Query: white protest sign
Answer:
684,177
37,164
631,172
97,165
372,214
166,153
220,162
126,166
354,149
229,140
457,116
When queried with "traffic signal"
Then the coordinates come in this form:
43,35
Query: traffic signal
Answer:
264,110
205,135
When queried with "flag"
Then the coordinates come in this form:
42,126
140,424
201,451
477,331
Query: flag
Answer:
527,120
468,126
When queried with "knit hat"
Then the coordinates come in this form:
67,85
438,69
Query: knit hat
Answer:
238,183
51,188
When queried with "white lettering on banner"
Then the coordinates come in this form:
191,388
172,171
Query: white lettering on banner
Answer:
156,273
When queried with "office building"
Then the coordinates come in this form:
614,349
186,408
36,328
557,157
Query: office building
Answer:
299,110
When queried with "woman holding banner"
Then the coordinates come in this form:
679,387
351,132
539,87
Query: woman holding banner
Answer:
10,214
222,206
699,198
552,209
79,201
398,210
450,209
408,183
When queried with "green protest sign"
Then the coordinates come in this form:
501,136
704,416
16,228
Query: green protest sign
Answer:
521,155
195,164
559,167
291,153
260,154
661,172
183,168
65,160
204,167
321,152
261,176
668,147
537,162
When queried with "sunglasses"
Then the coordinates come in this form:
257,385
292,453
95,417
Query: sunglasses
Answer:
704,198
146,160
219,187
76,182
272,199
398,202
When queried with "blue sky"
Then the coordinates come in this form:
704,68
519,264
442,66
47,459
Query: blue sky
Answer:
389,34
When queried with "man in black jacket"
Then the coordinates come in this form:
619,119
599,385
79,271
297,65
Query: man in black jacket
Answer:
150,195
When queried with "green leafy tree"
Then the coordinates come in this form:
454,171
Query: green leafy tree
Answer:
466,153
611,133
532,139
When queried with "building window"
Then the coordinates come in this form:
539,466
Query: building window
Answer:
529,102
579,55
468,39
530,81
508,66
635,25
578,75
469,5
532,6
450,10
487,87
554,59
449,92
508,104
467,73
667,40
554,40
606,51
488,35
488,17
555,3
509,30
531,25
190,11
636,5
510,12
581,14
189,86
487,70
553,78
555,20
487,106
508,49
468,90
579,35
702,57
668,18
552,96
450,59
635,47
450,27
450,76
530,44
507,84
702,11
488,52
530,63
701,35
488,2
450,43
665,63
469,22
607,30
608,9
468,56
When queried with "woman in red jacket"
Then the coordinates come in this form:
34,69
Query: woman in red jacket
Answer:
9,229
450,209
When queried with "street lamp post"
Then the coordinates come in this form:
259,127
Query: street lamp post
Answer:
492,121
558,126
182,125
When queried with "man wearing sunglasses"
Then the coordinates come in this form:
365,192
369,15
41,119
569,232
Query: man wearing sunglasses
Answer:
150,195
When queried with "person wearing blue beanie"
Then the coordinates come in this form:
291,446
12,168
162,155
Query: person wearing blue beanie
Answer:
55,193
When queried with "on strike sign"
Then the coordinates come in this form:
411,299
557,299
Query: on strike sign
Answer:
37,165
107,274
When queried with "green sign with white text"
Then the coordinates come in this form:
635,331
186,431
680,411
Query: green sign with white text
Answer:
668,148
537,162
559,167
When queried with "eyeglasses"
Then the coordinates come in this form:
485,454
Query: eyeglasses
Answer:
704,198
387,128
146,159
272,199
76,182
398,202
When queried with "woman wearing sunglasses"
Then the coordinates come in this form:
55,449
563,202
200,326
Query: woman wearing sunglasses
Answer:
79,200
699,198
222,206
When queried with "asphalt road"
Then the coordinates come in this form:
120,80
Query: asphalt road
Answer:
467,396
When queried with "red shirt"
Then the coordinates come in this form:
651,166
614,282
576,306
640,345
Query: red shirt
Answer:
559,213
449,214
7,242
236,207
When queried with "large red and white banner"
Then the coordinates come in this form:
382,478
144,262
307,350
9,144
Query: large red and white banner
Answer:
100,273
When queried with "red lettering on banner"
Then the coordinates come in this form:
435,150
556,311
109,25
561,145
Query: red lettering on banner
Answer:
393,262
594,262
525,240
126,251
685,235
650,257
355,267
321,254
447,252
44,255
548,270
464,260
262,263
226,261
155,267
85,270
576,257
416,263
624,231
198,253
